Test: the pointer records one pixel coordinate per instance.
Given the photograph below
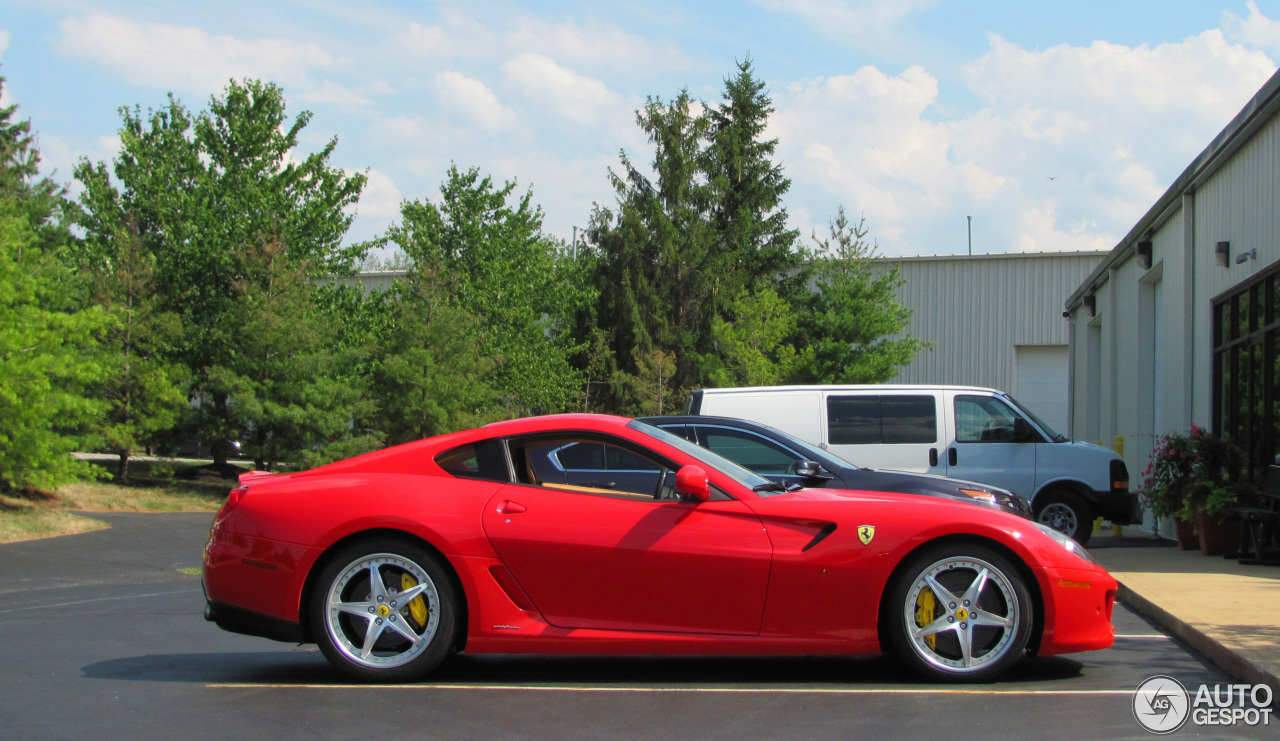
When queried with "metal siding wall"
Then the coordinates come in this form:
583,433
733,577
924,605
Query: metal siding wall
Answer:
977,309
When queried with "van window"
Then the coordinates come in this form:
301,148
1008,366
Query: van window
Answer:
983,419
889,420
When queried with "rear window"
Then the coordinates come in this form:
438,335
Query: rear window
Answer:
875,420
483,460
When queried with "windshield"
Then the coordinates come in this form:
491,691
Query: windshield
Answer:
719,463
1053,435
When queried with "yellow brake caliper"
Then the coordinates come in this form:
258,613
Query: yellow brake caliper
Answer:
417,607
925,604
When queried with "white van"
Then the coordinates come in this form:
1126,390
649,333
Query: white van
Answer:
960,431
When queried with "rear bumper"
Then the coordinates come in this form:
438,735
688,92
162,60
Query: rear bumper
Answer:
1121,508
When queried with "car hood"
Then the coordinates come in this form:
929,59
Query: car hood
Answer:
929,485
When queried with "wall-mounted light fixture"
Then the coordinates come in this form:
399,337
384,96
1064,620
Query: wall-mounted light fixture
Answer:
1243,256
1221,251
1144,255
1091,303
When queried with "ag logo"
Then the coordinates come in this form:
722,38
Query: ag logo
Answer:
866,533
1161,705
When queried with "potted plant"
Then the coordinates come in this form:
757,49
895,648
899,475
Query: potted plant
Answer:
1189,478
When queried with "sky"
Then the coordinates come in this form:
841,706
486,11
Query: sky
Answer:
1054,125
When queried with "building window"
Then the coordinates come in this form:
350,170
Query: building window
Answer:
1246,369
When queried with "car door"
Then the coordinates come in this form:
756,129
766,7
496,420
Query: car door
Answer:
628,557
986,448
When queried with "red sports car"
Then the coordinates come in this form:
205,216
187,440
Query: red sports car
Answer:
592,534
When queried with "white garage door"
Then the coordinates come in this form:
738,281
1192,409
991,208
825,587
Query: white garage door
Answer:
1040,382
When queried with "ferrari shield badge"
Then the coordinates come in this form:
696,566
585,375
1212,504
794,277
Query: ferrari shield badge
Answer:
866,533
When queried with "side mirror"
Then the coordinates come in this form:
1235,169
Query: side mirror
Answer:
811,471
692,480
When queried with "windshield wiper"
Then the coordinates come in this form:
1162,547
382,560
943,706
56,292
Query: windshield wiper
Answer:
770,486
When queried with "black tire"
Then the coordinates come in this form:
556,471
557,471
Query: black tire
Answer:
1067,512
364,631
997,631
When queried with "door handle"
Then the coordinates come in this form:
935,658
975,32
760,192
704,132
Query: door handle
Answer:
933,456
951,456
510,508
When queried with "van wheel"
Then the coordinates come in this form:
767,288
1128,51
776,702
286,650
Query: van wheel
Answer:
1067,512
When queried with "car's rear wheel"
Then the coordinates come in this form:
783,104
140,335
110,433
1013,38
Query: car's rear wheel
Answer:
960,613
1067,512
384,611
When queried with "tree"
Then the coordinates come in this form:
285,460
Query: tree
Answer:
44,334
846,324
677,251
208,192
490,258
144,392
754,345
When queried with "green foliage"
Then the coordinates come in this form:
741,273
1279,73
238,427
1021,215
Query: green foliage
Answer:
652,385
144,392
490,257
46,340
432,375
845,325
210,193
754,349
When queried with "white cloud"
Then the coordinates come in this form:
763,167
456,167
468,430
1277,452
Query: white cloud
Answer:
1256,30
1072,146
562,91
184,57
867,24
380,200
4,42
472,99
594,45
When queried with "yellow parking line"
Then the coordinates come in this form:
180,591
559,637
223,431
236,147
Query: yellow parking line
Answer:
710,690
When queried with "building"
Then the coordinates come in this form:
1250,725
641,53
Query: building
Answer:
1180,322
994,321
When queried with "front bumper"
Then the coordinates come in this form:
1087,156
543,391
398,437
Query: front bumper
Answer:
1078,606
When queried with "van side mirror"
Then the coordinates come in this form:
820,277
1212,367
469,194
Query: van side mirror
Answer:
692,481
810,471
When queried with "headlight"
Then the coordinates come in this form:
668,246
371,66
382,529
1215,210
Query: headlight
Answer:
980,494
1065,541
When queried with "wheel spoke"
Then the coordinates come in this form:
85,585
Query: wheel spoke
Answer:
399,627
937,626
993,621
942,593
408,595
359,609
370,639
966,646
376,587
975,589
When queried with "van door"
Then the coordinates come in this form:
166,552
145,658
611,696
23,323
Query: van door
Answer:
987,447
896,431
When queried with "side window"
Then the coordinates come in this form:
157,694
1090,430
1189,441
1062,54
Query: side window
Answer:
483,460
983,419
749,451
590,467
888,420
853,420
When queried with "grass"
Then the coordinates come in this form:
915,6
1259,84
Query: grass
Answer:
29,516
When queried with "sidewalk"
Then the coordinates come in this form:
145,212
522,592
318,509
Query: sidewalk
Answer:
1228,612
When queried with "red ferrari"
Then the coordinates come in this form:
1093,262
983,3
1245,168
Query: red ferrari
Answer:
591,534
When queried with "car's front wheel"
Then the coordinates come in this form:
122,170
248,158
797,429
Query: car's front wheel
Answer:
960,613
384,611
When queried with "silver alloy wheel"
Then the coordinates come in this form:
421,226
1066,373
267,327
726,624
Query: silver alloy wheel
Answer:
1060,517
372,622
976,617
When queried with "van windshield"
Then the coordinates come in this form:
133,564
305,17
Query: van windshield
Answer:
1053,434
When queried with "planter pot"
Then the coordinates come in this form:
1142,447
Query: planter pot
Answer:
1217,538
1187,540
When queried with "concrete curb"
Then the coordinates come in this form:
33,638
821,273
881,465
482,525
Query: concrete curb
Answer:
1229,660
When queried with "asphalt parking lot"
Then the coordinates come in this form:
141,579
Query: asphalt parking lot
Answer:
103,639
